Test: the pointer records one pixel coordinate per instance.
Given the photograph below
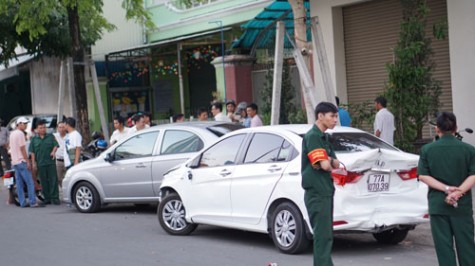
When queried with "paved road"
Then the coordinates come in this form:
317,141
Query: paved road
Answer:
125,235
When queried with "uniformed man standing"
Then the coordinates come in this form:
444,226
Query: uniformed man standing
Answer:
43,152
447,166
318,159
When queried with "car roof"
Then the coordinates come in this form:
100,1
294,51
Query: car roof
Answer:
301,129
192,124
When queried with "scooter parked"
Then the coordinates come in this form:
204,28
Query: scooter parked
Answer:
9,181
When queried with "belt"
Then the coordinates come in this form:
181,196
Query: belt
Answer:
59,160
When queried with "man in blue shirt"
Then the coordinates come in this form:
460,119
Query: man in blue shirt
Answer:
345,119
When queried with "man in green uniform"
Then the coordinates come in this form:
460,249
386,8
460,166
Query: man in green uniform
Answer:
447,166
318,159
43,149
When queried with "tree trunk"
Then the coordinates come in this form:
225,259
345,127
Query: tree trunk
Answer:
300,33
77,54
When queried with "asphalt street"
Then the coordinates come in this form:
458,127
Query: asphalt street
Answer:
126,235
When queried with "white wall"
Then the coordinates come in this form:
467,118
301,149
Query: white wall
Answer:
462,62
128,33
44,80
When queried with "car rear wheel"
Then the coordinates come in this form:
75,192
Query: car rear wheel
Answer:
171,215
288,229
86,198
392,236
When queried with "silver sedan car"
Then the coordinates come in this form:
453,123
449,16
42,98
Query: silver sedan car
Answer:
131,171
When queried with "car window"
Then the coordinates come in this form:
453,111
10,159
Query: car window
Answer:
356,142
223,153
264,148
287,152
137,146
180,141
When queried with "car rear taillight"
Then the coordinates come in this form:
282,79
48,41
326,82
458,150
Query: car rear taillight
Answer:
408,175
426,216
336,223
341,176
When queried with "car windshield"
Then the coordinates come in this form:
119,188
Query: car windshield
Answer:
222,129
356,142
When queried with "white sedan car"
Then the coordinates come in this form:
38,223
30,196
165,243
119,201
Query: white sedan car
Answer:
251,180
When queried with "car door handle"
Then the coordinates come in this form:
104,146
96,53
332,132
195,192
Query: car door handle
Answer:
274,168
140,165
225,172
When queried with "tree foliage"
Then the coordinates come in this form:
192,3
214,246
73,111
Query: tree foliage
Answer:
62,28
411,90
289,113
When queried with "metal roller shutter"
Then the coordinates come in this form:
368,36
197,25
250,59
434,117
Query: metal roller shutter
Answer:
371,31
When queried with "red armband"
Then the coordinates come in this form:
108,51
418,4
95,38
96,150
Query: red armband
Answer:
317,155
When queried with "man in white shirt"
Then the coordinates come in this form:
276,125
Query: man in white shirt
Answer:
216,109
384,121
120,131
72,144
139,124
60,136
252,113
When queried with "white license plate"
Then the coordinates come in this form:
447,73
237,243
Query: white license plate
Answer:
8,181
378,182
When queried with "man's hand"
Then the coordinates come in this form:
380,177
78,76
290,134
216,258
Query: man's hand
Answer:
453,196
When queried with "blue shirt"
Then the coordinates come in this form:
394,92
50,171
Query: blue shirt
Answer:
345,119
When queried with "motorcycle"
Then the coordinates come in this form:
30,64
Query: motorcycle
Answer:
9,181
459,136
95,147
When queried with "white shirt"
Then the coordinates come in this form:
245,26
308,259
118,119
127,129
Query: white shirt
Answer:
60,151
117,135
72,141
256,121
221,117
133,129
384,122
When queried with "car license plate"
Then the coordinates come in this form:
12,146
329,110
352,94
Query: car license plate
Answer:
378,182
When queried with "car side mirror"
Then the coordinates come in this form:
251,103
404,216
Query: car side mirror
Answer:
109,157
195,163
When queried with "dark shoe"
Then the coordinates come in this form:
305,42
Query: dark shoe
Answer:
25,206
37,205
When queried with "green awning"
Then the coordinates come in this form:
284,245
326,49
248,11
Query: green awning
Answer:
261,30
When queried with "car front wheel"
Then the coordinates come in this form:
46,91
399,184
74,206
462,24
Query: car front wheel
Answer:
288,229
171,215
391,237
86,198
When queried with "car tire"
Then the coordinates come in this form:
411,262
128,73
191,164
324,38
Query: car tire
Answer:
86,198
287,229
171,215
391,237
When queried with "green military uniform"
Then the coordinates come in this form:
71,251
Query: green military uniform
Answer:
450,161
319,191
42,148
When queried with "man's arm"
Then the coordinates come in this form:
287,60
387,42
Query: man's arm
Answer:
25,155
436,184
78,154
